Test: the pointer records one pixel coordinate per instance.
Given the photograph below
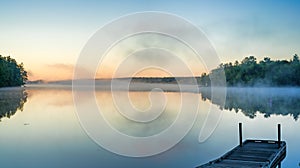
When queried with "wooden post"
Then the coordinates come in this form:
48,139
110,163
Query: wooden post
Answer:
279,134
240,134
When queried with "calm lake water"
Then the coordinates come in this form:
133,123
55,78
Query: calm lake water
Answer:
39,127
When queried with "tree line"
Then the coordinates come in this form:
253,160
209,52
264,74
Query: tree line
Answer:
11,73
250,72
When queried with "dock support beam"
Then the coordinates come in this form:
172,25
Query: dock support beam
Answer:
240,134
279,134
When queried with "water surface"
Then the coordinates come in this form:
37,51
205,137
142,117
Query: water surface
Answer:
39,127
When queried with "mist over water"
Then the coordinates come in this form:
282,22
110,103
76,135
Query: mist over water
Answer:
265,100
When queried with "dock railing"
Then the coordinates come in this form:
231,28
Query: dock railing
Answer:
241,134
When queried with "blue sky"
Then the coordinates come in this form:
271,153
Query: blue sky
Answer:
51,34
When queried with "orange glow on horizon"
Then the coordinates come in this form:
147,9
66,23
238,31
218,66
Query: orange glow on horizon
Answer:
58,72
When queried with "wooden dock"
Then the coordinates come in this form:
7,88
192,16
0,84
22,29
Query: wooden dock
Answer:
252,154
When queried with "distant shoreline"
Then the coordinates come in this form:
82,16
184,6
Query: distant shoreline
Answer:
150,81
153,87
174,80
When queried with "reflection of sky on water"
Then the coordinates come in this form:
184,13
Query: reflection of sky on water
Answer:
141,101
54,137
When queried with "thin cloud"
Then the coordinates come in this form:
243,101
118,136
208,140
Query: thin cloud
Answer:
64,67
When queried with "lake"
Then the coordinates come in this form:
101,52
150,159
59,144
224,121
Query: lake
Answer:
39,126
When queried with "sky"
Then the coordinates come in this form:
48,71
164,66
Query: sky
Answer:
48,36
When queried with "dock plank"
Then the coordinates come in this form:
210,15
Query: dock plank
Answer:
252,154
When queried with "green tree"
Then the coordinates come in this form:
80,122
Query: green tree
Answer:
11,73
296,58
263,73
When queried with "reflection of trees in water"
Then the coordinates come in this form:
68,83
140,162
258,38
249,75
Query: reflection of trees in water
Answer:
12,100
268,101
